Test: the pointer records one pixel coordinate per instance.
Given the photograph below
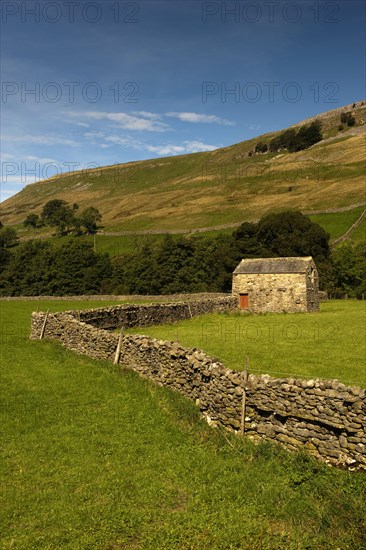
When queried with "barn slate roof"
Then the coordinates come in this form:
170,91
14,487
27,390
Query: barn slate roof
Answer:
274,265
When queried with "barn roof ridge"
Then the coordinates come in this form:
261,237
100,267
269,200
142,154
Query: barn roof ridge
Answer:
274,265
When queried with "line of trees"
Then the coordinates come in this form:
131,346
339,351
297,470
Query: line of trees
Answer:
63,217
293,140
36,268
191,263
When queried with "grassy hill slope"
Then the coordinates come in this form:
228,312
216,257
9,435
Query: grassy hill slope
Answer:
226,186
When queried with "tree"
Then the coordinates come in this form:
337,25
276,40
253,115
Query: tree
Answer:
51,209
89,219
77,269
349,270
247,243
261,147
313,133
38,268
287,138
8,237
28,270
32,220
294,141
348,118
275,144
290,233
306,137
57,213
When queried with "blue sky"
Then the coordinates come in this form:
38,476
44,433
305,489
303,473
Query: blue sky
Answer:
97,83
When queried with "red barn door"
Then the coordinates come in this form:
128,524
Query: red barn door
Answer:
243,301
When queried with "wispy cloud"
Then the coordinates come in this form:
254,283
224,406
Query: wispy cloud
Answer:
147,114
40,160
198,118
118,140
39,140
166,149
188,146
7,156
147,123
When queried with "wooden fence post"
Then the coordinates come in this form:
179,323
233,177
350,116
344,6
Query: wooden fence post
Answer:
243,405
44,325
189,309
119,346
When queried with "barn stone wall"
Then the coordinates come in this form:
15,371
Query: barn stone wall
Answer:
323,416
277,292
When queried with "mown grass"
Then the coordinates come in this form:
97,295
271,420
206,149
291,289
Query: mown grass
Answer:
328,344
97,458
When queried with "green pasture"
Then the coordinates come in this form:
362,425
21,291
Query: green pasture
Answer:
338,223
95,457
328,344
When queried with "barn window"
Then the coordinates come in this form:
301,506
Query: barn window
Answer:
243,301
312,275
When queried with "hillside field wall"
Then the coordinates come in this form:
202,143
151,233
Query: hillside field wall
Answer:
325,417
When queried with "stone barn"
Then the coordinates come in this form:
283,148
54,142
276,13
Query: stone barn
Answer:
277,284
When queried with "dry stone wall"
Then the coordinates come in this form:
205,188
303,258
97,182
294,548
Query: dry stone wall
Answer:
323,416
143,315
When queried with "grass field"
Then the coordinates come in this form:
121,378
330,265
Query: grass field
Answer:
328,344
97,458
338,223
359,234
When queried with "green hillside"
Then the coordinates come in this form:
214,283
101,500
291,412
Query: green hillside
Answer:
222,187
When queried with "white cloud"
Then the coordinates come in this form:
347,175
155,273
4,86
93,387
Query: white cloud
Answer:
7,156
39,140
7,193
93,135
166,149
118,140
199,146
41,160
255,127
127,122
193,146
20,179
187,147
198,118
77,123
147,114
